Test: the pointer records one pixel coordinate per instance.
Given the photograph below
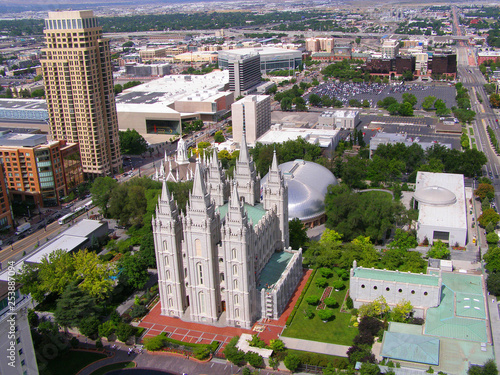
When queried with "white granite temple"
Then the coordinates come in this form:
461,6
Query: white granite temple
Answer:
226,259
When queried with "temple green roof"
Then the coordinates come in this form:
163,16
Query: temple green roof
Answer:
412,348
273,269
400,277
255,213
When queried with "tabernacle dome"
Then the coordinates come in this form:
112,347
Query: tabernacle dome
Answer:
307,187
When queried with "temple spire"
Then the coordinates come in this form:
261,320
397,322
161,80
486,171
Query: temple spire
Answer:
244,149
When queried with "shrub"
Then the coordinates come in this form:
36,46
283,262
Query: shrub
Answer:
331,302
301,297
370,325
338,285
364,338
274,363
201,352
257,342
33,318
74,342
277,345
154,343
321,282
89,327
325,314
312,300
98,344
419,321
124,331
233,354
292,362
349,303
326,272
254,359
107,328
138,310
309,313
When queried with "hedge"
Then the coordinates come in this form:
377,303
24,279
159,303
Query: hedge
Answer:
301,297
212,346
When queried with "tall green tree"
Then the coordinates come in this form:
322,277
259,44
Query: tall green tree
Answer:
73,306
102,191
298,233
132,143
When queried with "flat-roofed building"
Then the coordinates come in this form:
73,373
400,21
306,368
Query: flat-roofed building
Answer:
79,89
339,119
442,208
35,170
390,48
270,58
146,70
159,106
320,44
251,115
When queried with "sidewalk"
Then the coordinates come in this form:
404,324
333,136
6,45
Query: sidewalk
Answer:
315,346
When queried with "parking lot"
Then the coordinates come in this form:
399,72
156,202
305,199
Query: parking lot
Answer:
373,92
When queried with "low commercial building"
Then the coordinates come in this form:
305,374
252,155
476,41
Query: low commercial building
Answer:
147,70
484,56
442,209
39,171
338,120
24,109
394,138
210,57
327,139
80,236
160,106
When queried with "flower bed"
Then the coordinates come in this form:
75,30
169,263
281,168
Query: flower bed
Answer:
326,294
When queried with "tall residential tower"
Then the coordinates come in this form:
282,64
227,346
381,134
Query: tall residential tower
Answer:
79,89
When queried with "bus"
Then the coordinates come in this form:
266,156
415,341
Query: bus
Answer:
67,218
88,205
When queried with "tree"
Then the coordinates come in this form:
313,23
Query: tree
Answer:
95,274
56,271
401,312
232,353
89,327
485,191
325,314
124,331
300,103
254,359
102,190
428,102
314,100
286,104
354,103
488,216
132,143
331,302
277,345
357,40
107,328
298,233
410,98
439,251
489,368
492,238
74,306
495,100
492,259
292,362
393,109
369,369
312,300
406,109
321,282
134,271
154,343
376,308
326,101
118,88
403,241
493,283
219,137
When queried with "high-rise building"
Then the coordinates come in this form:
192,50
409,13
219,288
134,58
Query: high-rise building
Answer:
320,44
20,355
244,73
251,115
79,89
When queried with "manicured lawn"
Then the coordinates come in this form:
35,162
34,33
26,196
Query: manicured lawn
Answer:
337,331
72,362
114,366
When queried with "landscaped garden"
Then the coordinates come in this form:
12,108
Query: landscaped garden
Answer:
72,362
307,326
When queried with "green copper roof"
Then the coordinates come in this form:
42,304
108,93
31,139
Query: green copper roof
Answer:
412,348
273,269
255,213
400,277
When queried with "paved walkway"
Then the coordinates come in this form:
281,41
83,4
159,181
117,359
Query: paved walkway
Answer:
315,346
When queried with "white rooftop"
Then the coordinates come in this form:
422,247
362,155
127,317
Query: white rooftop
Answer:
83,228
244,346
65,242
340,114
441,199
263,51
322,137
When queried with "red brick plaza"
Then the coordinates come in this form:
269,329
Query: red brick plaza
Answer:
205,334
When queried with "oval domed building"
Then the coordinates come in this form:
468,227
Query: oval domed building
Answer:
307,187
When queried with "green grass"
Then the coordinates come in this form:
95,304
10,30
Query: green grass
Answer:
336,331
317,356
471,131
72,362
114,366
